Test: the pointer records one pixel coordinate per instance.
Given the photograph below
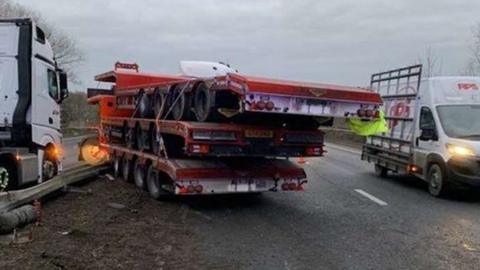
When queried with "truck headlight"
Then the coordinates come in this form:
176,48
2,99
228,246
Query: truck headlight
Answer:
460,151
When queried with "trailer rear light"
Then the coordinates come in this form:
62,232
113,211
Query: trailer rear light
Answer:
199,148
314,151
190,189
199,188
361,113
285,186
369,113
292,186
300,187
261,105
270,106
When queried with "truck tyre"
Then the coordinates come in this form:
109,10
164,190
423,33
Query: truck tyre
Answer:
144,105
127,169
8,178
438,185
202,102
380,171
159,103
139,174
131,138
154,184
117,166
142,138
179,103
154,143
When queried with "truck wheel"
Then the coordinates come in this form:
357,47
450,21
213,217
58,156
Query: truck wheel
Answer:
154,144
117,166
180,109
159,102
380,171
154,184
142,138
130,137
127,170
144,105
49,169
438,185
139,175
202,102
7,178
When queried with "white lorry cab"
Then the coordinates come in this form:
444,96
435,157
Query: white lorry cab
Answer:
31,90
434,128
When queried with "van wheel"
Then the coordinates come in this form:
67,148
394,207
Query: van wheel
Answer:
437,182
380,171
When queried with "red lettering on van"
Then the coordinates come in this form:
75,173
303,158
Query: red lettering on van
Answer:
467,86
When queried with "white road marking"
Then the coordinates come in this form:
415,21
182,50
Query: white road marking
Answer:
371,197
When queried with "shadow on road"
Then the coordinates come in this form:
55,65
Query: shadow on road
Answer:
221,202
460,194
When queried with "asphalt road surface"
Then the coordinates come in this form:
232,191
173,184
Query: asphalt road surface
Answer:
347,218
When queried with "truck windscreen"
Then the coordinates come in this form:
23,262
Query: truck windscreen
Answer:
460,121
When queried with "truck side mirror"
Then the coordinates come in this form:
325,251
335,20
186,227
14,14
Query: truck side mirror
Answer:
428,133
63,85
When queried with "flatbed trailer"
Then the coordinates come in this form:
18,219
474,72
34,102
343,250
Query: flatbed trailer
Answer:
213,139
202,176
239,98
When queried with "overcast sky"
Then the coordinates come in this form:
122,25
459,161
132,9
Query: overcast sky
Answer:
327,41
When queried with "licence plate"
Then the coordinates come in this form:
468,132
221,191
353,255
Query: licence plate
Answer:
242,186
249,133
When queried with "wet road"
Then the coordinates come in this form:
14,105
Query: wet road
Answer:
346,219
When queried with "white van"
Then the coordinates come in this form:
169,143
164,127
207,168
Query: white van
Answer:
434,128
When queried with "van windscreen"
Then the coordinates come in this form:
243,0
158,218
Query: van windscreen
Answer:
460,121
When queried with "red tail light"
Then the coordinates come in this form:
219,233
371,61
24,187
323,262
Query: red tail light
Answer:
270,106
261,105
199,188
190,189
292,186
361,113
285,187
199,148
314,151
369,113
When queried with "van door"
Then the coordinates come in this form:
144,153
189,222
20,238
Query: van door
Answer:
428,142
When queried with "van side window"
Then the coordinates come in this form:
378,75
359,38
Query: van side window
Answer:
52,84
426,118
40,35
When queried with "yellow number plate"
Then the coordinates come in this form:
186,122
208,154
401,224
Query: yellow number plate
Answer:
258,133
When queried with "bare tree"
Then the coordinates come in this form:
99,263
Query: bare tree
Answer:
67,53
473,65
431,63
